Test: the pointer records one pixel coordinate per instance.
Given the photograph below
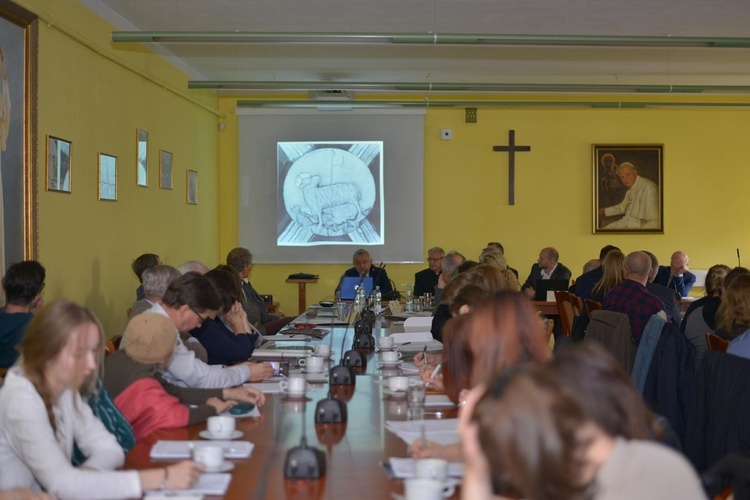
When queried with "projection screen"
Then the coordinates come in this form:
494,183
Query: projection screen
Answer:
316,185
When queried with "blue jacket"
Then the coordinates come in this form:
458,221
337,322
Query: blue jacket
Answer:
680,284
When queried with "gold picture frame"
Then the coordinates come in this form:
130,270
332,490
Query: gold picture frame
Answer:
628,188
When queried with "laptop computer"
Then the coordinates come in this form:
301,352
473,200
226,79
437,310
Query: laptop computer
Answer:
350,283
544,286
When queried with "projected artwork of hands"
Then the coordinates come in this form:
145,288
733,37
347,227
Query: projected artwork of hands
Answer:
330,193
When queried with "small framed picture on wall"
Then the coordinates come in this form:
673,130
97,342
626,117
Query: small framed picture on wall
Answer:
141,168
192,187
58,164
165,169
107,177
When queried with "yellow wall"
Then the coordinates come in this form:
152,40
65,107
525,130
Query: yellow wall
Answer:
706,178
87,245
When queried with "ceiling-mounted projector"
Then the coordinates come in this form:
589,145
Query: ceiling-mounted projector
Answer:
330,95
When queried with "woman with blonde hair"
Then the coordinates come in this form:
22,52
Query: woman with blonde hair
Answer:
613,273
42,415
495,258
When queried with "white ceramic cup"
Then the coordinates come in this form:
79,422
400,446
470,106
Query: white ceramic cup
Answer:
294,385
221,427
313,363
426,489
431,468
390,357
398,383
323,350
211,456
385,342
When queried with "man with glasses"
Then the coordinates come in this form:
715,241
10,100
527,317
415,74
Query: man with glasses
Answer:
241,260
188,302
23,285
426,280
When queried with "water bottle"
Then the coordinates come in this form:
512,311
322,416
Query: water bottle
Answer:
360,298
378,299
409,298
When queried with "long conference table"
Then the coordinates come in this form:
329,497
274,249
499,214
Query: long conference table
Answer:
354,451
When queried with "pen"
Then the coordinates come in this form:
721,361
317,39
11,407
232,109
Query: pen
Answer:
435,371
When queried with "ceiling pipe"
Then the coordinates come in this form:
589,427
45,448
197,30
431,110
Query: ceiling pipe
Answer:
356,104
465,87
426,39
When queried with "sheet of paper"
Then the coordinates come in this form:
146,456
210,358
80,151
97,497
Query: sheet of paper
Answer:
215,484
404,467
441,431
266,387
164,449
437,400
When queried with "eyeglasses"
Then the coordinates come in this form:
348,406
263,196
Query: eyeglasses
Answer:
201,319
434,259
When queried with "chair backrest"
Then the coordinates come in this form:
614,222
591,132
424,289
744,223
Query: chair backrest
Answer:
109,347
592,305
716,343
568,307
612,330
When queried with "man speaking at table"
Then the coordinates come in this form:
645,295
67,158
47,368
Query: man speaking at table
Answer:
363,268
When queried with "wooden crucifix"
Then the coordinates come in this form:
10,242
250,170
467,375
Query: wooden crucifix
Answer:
511,149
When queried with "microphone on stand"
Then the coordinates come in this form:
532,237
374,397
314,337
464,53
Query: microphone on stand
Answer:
342,374
739,263
330,410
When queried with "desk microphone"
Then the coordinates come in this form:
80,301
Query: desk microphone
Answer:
331,411
303,461
342,375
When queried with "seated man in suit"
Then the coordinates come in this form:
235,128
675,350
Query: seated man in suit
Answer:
546,268
676,275
665,294
363,267
241,260
426,280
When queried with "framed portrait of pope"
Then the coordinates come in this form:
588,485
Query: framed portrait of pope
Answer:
628,188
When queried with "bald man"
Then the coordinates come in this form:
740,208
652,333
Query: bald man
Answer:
676,275
547,267
631,297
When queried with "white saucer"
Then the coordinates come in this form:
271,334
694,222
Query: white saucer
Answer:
385,349
308,370
298,395
394,394
225,467
384,364
207,435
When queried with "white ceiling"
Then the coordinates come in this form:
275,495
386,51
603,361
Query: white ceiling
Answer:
449,64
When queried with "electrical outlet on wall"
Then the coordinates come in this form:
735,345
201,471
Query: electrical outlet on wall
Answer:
446,134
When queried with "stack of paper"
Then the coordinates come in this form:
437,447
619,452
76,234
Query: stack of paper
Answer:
266,387
442,431
183,449
437,400
404,467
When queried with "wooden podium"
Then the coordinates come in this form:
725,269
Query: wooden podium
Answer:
302,283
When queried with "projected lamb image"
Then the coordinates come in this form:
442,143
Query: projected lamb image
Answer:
330,193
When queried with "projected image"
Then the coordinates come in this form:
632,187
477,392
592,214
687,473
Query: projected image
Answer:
329,193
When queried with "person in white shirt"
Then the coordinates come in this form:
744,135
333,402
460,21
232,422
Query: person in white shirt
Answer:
640,207
42,414
190,300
